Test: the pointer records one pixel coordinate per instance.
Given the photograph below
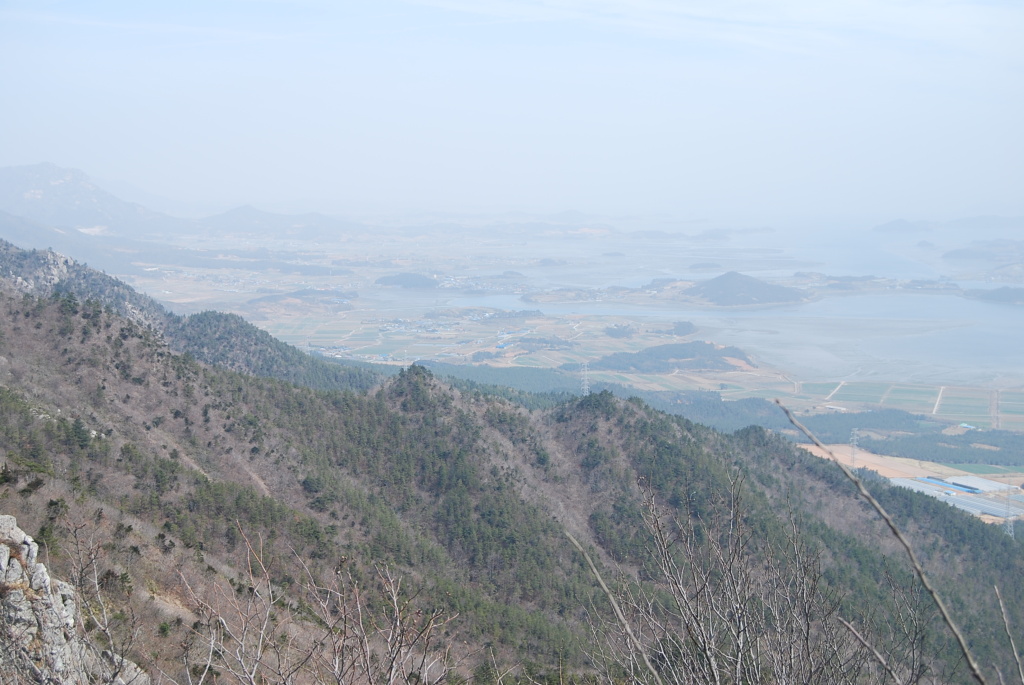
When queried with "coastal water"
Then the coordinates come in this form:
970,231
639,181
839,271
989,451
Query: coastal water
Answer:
907,337
899,335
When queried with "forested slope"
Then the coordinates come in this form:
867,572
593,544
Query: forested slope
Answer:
225,340
185,469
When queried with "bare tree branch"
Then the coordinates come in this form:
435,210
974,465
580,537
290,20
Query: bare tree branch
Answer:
1009,636
615,607
972,663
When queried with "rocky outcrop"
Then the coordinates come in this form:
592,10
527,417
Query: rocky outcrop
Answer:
39,642
41,273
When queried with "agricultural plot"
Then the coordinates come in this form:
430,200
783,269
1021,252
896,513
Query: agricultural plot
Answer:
1011,403
413,331
822,389
364,338
977,421
1012,397
987,469
609,377
530,361
1011,423
759,393
913,398
871,393
965,402
675,382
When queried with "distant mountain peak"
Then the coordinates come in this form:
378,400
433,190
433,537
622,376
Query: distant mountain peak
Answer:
57,196
248,218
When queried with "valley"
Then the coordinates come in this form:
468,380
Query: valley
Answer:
213,457
517,342
872,343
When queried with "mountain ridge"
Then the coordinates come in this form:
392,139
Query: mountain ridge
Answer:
193,445
464,493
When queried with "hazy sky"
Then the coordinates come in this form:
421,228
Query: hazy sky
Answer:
731,110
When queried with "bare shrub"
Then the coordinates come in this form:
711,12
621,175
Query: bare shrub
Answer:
254,630
730,608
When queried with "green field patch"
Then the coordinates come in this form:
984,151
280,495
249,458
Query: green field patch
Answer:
1013,409
823,389
529,361
862,392
963,395
962,410
911,407
604,377
962,398
916,402
959,408
1011,423
1011,397
966,391
869,388
662,382
856,396
762,393
985,469
976,420
911,393
376,349
962,407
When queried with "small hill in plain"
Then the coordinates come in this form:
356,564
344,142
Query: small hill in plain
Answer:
735,289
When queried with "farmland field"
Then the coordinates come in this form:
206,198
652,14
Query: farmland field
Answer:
822,389
986,469
912,398
510,305
862,392
965,402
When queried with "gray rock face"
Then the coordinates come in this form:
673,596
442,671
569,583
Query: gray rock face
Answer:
38,617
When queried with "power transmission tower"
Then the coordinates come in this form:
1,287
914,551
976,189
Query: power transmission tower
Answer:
853,448
1008,520
585,379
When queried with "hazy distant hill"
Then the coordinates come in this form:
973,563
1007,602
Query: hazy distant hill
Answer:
668,358
29,234
67,198
735,289
973,226
308,226
1002,251
407,280
108,253
1004,295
